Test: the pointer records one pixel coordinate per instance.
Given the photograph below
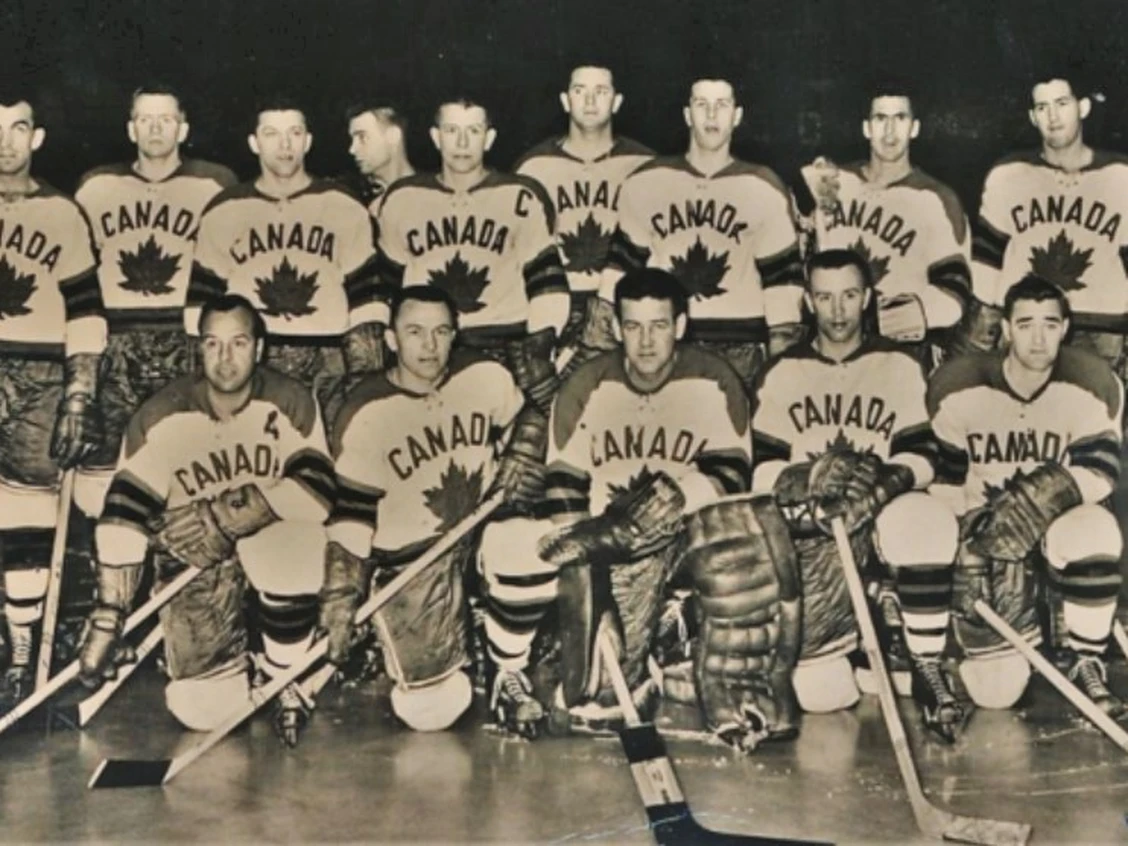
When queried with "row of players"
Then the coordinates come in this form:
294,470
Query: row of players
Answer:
971,485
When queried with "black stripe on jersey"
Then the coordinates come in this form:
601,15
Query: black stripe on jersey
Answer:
785,268
1092,579
1100,453
204,286
129,501
730,470
952,276
516,618
625,254
919,440
314,472
82,296
951,464
544,274
362,285
1124,258
988,244
389,271
566,493
767,448
355,503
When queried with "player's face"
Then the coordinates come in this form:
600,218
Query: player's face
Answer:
281,141
890,128
157,125
590,100
422,338
229,350
712,114
370,146
838,297
650,333
462,137
19,138
1057,113
1035,331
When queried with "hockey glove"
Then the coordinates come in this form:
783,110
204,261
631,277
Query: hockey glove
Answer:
979,331
1015,520
521,470
973,581
103,650
363,350
530,361
783,337
901,318
596,336
854,486
339,598
203,533
633,526
792,495
78,422
821,177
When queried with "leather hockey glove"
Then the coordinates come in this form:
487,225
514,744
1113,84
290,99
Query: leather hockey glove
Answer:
78,421
203,533
972,582
633,526
783,337
596,336
521,470
854,486
363,350
339,598
1015,520
979,331
103,650
530,361
822,178
901,318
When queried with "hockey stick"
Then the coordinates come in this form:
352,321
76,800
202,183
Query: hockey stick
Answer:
70,672
82,713
134,772
54,581
1054,676
671,820
931,820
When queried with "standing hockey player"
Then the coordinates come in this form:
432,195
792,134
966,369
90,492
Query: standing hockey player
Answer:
144,215
840,429
724,228
52,336
640,438
582,173
909,227
1057,212
299,248
1030,447
417,448
228,472
377,136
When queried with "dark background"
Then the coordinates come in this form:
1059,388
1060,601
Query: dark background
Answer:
803,67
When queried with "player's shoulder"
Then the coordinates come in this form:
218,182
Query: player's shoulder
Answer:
180,396
1090,373
292,398
659,167
61,203
372,388
233,194
694,362
1016,160
548,149
919,180
625,146
603,368
109,172
221,175
503,179
964,373
752,170
468,362
404,188
1109,159
334,191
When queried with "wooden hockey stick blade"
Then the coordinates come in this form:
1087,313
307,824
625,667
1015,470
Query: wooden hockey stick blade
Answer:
54,581
92,704
931,820
119,770
1054,676
70,672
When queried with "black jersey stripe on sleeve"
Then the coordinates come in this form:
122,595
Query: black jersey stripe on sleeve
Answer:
624,253
362,286
544,274
951,464
313,471
988,244
767,448
355,503
130,502
730,470
919,440
952,276
204,285
785,268
82,296
1100,454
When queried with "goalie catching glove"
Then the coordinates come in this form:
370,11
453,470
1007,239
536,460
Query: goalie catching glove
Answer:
521,470
530,361
901,318
203,533
1016,518
103,650
635,525
854,486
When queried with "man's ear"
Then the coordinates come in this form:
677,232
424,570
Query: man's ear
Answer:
38,136
131,131
309,142
252,142
1005,326
1086,106
390,339
1033,118
738,116
687,115
564,103
914,131
616,329
810,303
680,323
259,345
435,137
616,102
866,131
491,136
867,298
1065,327
182,133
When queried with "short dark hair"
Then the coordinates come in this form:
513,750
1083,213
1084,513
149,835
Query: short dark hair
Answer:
1035,289
890,87
594,63
386,113
836,260
14,93
157,88
731,81
279,101
422,294
650,283
464,102
228,303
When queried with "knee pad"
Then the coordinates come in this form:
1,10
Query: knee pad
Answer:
22,508
916,528
433,707
1083,533
995,681
286,624
287,557
201,703
509,548
825,685
90,487
24,586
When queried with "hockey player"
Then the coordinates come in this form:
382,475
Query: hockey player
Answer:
1030,448
641,437
300,248
377,134
1057,212
416,449
840,429
582,173
52,336
724,228
228,472
144,215
909,227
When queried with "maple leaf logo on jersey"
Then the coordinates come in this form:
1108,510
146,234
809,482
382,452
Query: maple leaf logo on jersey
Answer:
586,249
287,292
15,288
456,495
635,483
879,267
839,443
148,270
1060,263
699,272
464,285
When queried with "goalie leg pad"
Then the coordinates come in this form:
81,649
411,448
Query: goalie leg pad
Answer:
996,680
203,624
30,393
1013,589
202,703
829,626
583,600
824,685
434,706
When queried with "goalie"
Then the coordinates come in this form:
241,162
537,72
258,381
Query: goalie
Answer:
1030,448
840,430
230,473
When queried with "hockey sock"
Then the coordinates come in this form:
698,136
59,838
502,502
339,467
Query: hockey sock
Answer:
1089,590
925,594
511,622
286,624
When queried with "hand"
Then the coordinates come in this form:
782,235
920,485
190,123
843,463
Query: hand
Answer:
77,431
191,535
103,650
